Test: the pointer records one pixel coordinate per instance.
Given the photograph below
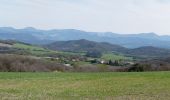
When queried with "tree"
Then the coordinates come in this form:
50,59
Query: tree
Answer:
116,63
110,62
94,54
94,61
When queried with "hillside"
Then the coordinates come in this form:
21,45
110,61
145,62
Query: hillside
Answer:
83,46
16,47
148,51
35,36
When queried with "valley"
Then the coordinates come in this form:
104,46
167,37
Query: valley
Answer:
80,56
84,50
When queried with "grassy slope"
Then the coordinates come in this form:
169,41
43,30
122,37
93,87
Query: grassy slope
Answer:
39,51
35,50
75,86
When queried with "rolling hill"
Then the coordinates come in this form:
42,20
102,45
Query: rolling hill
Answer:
148,51
15,47
85,45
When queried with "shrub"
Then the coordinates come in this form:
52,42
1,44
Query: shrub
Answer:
18,63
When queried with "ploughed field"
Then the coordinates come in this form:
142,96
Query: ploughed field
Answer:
85,86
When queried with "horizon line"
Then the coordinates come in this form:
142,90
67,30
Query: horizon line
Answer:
99,32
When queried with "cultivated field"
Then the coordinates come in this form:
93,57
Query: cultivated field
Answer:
85,86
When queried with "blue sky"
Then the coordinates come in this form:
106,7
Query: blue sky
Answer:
119,16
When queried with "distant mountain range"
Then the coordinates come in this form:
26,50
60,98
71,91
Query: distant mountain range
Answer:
36,36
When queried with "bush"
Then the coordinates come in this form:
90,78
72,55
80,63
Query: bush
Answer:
18,63
136,68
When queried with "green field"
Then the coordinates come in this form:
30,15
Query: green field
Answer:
85,86
112,56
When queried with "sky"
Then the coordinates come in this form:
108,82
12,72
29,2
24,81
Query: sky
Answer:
118,16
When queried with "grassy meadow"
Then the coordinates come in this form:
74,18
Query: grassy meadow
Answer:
85,86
